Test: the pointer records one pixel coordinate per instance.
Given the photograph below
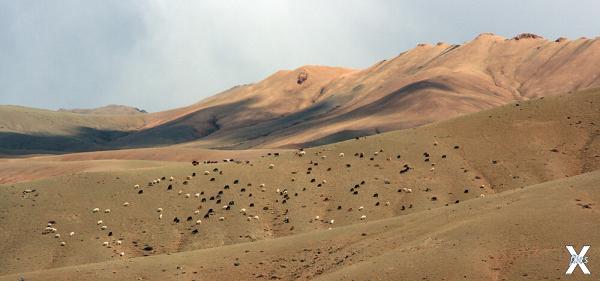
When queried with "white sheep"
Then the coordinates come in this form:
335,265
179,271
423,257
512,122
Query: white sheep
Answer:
189,177
361,208
331,221
271,166
63,243
105,244
125,204
324,181
206,173
57,235
196,212
243,211
221,218
262,185
119,242
341,154
72,233
160,216
121,254
363,217
301,153
187,195
323,157
171,178
106,211
198,221
104,227
136,186
407,190
197,195
482,195
159,210
256,217
180,192
99,222
95,210
387,203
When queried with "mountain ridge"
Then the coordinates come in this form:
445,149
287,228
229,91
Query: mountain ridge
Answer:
319,104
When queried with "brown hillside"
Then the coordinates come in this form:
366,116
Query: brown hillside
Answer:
470,198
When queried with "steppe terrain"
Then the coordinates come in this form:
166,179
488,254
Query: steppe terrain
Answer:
478,161
490,195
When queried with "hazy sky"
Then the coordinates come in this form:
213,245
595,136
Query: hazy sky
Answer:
163,54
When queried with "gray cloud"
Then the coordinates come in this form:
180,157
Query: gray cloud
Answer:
162,54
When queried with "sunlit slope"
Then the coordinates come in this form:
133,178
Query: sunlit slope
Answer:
449,164
314,105
516,235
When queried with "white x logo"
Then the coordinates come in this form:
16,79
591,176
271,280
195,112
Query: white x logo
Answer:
578,260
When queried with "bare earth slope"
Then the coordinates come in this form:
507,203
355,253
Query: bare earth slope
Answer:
111,109
516,235
496,153
315,105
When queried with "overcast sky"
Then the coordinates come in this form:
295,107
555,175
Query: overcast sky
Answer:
158,55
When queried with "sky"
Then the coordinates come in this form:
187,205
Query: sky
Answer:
158,55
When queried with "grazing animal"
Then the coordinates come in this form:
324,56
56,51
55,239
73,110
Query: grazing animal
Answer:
405,169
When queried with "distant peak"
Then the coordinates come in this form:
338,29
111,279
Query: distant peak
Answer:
488,36
527,36
561,39
111,109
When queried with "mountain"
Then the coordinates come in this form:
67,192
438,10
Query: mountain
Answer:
315,105
488,192
111,109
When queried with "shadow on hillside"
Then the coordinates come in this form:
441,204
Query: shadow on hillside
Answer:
85,139
190,127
